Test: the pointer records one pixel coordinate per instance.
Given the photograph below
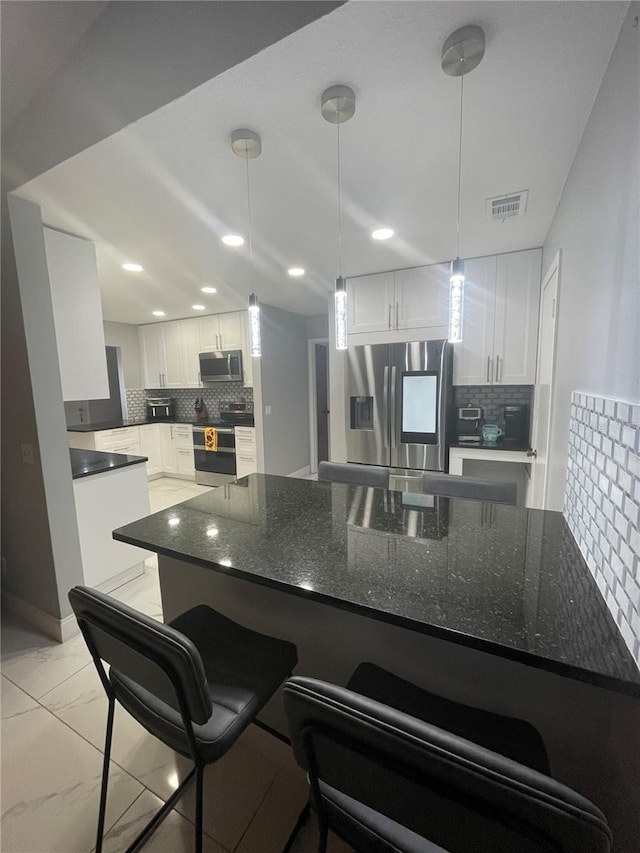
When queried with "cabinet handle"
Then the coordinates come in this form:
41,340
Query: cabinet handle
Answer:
397,311
489,359
497,368
389,323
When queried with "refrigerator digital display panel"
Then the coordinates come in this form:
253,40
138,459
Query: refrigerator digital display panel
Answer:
420,407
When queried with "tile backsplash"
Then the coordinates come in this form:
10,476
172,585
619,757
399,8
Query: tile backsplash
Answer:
186,397
492,398
602,502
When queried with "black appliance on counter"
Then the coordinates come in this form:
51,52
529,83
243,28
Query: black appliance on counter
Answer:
216,467
469,424
516,425
161,408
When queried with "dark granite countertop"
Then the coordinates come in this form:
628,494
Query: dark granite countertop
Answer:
507,580
120,424
144,422
84,463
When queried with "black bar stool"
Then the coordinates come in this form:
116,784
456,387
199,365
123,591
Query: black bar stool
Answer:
385,780
195,684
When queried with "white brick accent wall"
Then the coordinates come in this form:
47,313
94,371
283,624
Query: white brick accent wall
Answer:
602,502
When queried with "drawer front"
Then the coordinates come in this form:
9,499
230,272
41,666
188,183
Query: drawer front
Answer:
184,460
132,448
245,465
105,439
246,433
182,435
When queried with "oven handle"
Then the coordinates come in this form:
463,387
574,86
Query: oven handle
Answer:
221,431
219,450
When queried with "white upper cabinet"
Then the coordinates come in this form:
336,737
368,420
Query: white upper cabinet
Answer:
472,357
221,331
191,348
500,320
174,362
382,308
516,327
422,297
370,303
77,315
152,352
169,351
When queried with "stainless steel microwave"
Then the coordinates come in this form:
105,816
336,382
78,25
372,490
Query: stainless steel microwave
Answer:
221,366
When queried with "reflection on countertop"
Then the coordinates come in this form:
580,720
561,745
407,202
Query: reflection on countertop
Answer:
485,575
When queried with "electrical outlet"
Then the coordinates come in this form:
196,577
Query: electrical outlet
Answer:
267,410
27,453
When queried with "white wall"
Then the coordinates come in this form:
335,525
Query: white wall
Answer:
125,336
597,227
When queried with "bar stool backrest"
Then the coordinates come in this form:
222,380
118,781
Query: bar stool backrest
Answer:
155,656
452,486
348,472
371,766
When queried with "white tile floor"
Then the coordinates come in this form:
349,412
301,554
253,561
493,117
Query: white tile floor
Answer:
53,719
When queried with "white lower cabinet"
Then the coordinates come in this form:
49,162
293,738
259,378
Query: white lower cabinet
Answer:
151,448
246,455
168,449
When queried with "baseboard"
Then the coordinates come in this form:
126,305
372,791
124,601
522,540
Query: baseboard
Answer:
59,630
121,578
301,472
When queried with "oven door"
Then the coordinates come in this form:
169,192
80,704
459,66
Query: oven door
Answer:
215,467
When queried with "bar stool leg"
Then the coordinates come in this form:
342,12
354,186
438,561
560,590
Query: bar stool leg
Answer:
199,798
105,774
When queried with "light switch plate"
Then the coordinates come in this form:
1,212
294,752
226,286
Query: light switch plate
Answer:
27,453
267,410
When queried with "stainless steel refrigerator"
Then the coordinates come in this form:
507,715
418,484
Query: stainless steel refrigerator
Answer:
400,404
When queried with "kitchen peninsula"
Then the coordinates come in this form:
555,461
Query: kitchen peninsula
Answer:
109,489
487,604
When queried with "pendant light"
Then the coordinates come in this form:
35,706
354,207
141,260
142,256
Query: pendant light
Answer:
338,104
461,53
247,144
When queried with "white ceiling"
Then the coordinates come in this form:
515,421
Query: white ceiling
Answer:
164,190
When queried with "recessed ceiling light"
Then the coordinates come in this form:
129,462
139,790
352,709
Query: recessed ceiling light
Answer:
158,313
233,240
382,233
132,267
198,307
296,271
208,290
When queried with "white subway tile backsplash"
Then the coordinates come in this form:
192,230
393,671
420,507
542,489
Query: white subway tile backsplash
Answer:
602,502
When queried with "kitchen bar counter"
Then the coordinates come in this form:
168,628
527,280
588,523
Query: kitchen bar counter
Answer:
504,580
85,463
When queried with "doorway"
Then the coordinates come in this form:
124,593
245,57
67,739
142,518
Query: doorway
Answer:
543,395
318,401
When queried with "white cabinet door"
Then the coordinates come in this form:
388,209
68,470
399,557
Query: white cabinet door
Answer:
190,338
152,352
516,325
168,449
370,305
473,361
173,374
150,447
230,330
184,461
209,333
421,297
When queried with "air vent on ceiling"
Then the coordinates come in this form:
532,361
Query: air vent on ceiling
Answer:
507,206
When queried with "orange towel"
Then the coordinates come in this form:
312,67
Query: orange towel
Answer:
210,438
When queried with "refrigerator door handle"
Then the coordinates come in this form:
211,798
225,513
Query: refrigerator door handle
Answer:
394,437
385,408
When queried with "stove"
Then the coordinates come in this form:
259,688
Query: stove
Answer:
216,467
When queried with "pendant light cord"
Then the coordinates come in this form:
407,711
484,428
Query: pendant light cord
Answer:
339,200
459,168
249,208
